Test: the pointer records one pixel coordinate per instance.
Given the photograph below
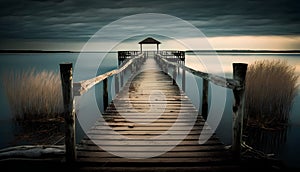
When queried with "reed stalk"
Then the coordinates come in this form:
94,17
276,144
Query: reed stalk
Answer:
33,95
271,87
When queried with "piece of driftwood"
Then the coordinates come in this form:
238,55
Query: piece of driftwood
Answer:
31,151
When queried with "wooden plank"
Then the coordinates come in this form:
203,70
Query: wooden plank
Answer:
208,160
178,148
147,142
176,105
139,115
165,113
142,121
151,128
166,155
131,124
138,112
145,96
137,137
123,120
166,105
152,114
174,168
145,132
183,102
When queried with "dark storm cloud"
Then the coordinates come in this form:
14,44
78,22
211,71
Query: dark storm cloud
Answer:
78,20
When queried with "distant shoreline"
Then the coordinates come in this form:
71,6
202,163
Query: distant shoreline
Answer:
188,51
244,51
33,51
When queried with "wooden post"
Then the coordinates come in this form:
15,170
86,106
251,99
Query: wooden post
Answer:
105,94
119,60
132,68
239,73
166,68
174,75
69,111
204,98
116,83
183,79
122,78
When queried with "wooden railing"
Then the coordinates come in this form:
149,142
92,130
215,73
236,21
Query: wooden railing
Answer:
83,86
237,84
71,89
133,61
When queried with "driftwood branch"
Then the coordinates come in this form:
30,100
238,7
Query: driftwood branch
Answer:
29,151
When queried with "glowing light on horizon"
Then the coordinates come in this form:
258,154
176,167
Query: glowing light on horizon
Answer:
256,42
218,43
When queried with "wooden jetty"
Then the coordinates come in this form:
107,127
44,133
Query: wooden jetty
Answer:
134,104
145,108
151,124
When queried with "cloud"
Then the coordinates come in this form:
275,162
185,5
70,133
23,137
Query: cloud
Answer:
78,20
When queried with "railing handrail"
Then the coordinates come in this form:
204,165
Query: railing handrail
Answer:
81,87
237,84
217,80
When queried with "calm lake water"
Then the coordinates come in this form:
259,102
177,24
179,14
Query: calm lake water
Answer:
288,151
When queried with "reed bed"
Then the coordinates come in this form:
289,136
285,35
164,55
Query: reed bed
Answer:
34,95
271,87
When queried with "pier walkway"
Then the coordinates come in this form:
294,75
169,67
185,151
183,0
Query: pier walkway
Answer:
148,115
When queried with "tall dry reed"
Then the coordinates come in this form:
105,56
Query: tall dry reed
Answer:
270,90
33,95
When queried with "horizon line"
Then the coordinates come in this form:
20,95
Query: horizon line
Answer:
219,50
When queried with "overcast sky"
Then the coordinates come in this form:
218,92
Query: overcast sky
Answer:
35,24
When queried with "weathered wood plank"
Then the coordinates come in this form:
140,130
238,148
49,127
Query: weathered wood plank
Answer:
166,155
147,142
144,116
178,148
150,128
170,168
166,161
163,124
139,137
146,132
183,102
